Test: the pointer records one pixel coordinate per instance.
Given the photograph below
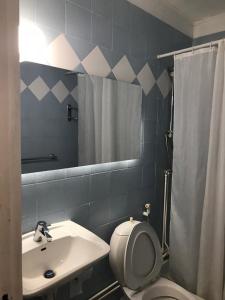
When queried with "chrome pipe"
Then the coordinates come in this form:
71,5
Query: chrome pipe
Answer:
165,246
109,293
106,291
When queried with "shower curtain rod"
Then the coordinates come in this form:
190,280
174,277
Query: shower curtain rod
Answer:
210,44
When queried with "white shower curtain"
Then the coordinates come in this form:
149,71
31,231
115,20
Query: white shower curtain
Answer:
212,241
197,233
109,120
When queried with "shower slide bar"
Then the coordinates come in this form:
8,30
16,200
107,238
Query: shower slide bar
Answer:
165,246
206,45
30,160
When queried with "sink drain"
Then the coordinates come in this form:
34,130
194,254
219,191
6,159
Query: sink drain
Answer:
49,274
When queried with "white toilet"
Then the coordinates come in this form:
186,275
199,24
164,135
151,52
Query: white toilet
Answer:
136,261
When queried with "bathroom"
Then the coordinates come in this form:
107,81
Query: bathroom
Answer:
151,164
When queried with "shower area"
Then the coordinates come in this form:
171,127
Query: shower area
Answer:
195,144
164,161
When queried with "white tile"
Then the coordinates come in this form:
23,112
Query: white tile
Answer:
62,55
60,91
146,79
74,93
22,86
96,64
39,88
123,70
164,83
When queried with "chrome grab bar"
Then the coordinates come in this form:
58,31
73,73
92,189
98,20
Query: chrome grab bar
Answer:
30,160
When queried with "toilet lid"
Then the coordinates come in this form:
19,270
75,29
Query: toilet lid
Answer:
143,258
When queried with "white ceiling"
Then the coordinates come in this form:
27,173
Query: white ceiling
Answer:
195,10
193,17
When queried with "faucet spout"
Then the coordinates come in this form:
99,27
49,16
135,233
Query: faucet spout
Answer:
42,232
48,236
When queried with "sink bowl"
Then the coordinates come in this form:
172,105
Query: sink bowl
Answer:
73,249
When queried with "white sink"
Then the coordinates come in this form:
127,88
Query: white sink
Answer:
73,249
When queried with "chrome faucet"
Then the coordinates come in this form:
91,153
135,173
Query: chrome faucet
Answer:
42,232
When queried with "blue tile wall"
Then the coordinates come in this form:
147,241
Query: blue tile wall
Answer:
208,38
55,19
78,21
101,197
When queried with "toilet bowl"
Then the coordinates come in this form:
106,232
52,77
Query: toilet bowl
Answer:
136,260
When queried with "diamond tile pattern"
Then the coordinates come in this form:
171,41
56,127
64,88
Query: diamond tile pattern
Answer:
123,70
146,79
62,55
60,91
74,93
22,86
96,64
164,83
39,88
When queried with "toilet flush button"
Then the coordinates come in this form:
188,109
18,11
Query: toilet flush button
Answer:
131,219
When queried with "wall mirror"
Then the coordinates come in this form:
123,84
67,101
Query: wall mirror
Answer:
71,119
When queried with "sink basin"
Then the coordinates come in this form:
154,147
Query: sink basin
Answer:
73,249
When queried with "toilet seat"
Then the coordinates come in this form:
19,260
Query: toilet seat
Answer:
161,289
165,298
142,259
136,260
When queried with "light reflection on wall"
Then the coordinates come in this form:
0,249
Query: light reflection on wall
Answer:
32,43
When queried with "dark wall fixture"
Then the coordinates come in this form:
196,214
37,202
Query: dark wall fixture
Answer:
70,110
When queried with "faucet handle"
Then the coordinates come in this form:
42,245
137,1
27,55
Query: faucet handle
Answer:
42,232
41,225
